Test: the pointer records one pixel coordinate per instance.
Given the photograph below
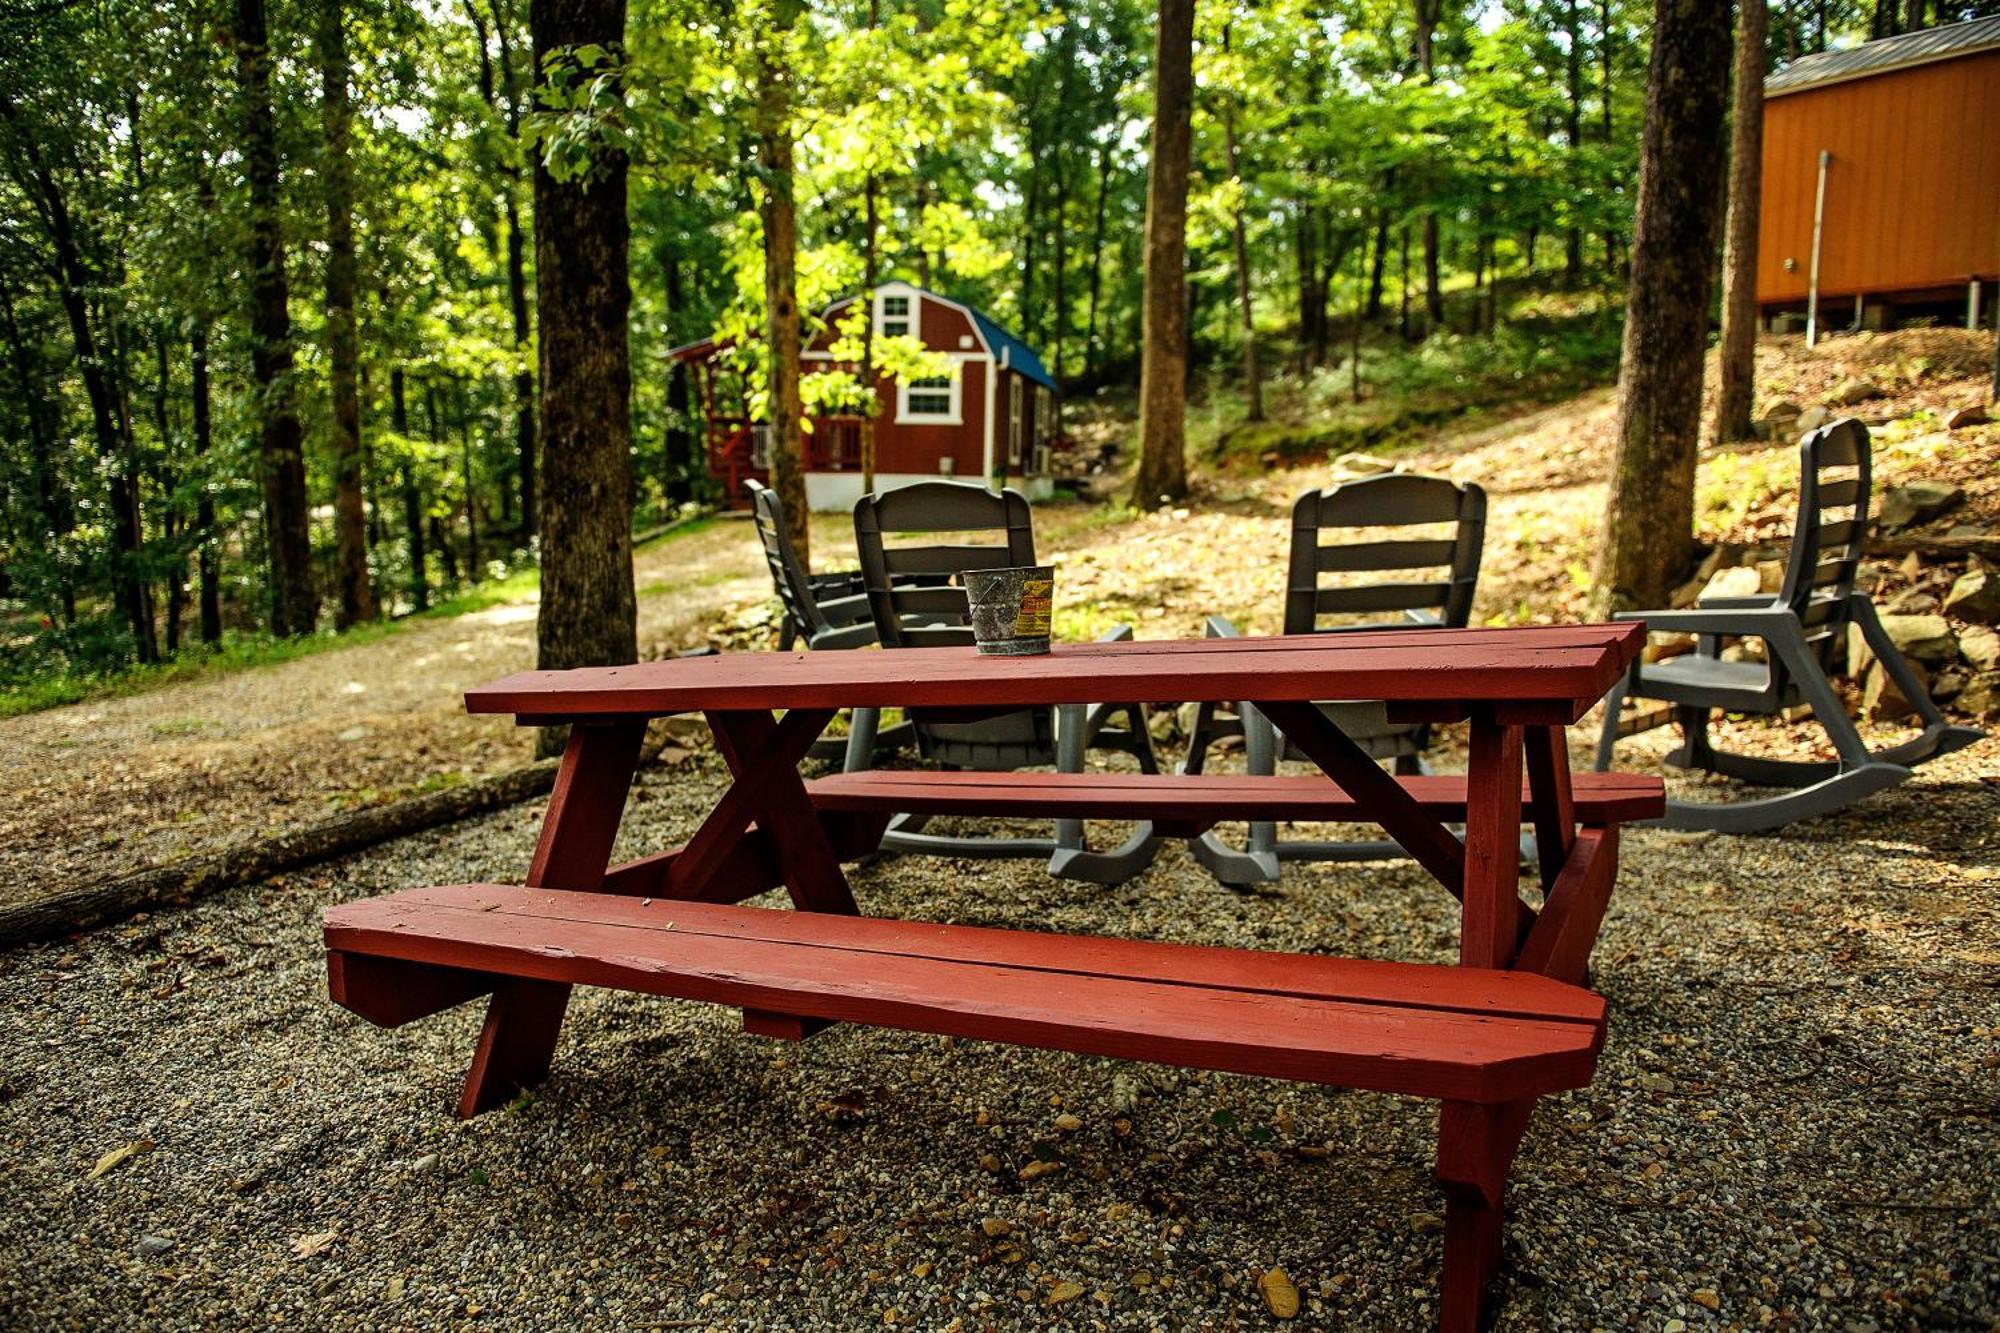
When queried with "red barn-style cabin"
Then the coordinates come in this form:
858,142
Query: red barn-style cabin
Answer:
994,417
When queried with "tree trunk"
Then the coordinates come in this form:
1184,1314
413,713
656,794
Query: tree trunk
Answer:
781,298
287,517
1162,473
1428,13
413,498
1253,388
870,276
1378,270
588,614
468,465
526,445
350,518
1648,539
1604,67
1739,263
208,570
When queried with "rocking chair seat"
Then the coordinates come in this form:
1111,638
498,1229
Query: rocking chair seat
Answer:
1713,682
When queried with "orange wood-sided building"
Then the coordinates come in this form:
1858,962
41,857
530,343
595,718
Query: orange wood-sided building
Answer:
1910,127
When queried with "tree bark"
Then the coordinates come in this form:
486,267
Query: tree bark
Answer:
1428,14
287,518
1379,268
588,614
1162,473
1093,353
1648,539
783,409
350,518
1739,262
1573,128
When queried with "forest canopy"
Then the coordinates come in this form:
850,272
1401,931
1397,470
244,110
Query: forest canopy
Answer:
267,287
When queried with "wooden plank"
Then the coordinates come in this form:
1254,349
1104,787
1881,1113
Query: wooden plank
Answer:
389,993
1378,1047
1489,908
524,1017
772,766
749,868
1358,981
1568,665
1206,799
781,808
1417,830
1559,945
1552,797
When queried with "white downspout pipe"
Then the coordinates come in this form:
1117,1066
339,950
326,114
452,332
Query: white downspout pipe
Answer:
1812,282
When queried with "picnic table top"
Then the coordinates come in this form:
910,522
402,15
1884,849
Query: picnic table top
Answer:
1570,666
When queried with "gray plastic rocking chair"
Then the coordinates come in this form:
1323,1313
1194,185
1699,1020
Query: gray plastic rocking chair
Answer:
1804,628
912,608
1442,599
825,610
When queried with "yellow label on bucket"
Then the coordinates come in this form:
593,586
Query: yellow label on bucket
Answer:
1037,604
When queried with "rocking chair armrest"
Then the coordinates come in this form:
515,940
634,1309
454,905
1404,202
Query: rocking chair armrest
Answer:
1116,634
846,636
1756,621
843,611
1428,619
1220,627
1762,601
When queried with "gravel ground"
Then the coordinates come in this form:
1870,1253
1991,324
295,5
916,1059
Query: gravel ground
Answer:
1793,1124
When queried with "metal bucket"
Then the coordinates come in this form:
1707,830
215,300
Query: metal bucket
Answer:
1011,609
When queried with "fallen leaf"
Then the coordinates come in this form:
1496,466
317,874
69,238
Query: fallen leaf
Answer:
1281,1295
117,1157
318,1242
1705,1298
1065,1291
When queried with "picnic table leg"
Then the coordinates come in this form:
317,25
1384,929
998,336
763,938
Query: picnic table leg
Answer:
1490,933
524,1017
1476,1146
1554,807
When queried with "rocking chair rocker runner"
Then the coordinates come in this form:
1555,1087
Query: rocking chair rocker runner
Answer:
1804,628
1390,500
912,607
825,610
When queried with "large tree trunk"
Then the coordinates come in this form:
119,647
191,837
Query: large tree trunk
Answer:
588,614
1648,540
527,446
1739,263
343,348
1428,13
1379,267
1093,354
781,298
1163,360
287,518
1573,128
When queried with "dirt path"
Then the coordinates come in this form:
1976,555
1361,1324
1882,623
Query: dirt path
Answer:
115,785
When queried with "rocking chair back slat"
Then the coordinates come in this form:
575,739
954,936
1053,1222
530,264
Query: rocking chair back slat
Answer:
1395,500
788,575
1826,550
904,591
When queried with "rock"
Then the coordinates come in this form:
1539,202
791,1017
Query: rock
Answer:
1065,1291
1706,1298
1911,567
152,1247
1281,1294
1915,602
1881,700
1362,465
1067,1123
1742,581
1925,638
1975,596
1780,419
1852,391
1981,647
1981,696
1663,646
1948,684
1915,501
1812,419
1966,416
995,1227
1770,575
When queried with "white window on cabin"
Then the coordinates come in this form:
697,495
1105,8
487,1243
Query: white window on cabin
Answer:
893,315
1014,421
933,400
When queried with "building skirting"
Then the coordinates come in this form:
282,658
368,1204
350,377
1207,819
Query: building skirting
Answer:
836,492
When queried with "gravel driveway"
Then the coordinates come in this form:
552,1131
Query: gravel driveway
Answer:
1793,1124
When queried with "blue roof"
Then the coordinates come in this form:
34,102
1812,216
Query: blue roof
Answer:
1012,352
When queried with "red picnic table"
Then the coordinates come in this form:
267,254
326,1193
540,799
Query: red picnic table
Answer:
1486,1038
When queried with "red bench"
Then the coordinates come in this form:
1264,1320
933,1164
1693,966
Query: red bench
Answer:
1485,1039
